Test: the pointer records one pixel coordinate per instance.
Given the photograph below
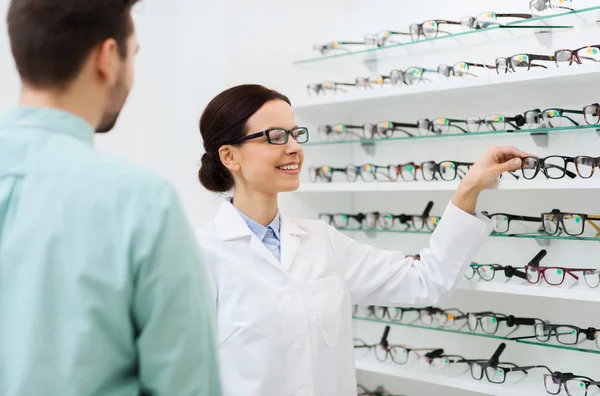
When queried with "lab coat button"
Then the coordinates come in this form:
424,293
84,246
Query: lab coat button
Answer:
272,248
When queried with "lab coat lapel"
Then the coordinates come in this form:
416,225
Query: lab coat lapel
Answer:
291,238
231,226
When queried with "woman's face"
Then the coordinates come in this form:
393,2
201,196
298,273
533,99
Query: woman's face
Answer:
270,168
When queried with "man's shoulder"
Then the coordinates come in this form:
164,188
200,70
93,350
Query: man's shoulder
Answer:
117,176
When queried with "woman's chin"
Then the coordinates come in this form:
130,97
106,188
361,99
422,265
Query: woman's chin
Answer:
290,186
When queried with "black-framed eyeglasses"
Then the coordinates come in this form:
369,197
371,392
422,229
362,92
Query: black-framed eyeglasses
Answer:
429,29
591,114
565,334
324,173
494,122
587,54
440,125
410,76
278,136
487,272
496,371
553,167
570,223
521,62
489,321
461,69
551,118
574,385
501,221
487,19
342,220
446,170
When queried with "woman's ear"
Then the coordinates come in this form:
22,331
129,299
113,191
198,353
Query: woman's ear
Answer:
228,155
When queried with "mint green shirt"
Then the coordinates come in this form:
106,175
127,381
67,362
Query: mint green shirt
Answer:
102,290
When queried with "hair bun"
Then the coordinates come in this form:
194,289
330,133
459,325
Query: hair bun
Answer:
213,175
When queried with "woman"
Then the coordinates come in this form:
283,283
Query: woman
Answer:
285,287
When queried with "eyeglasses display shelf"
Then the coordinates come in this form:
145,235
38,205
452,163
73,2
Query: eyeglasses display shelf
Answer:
531,386
491,87
526,289
563,19
539,183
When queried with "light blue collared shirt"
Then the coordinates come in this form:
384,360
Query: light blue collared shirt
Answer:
102,290
268,235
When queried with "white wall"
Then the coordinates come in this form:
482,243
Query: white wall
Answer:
178,70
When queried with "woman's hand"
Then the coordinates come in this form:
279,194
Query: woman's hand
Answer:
493,163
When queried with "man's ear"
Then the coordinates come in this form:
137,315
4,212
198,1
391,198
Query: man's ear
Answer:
106,61
228,155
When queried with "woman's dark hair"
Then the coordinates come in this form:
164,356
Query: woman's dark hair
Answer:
224,121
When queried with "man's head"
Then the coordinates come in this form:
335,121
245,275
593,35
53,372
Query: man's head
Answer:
81,48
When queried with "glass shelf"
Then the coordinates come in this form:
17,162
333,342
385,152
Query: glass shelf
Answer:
551,344
463,135
521,236
509,25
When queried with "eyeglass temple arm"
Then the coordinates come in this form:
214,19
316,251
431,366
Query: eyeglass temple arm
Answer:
448,22
349,42
572,112
549,58
567,172
404,124
591,220
525,368
524,16
344,84
527,218
480,65
399,33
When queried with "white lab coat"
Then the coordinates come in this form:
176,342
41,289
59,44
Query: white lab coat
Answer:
286,328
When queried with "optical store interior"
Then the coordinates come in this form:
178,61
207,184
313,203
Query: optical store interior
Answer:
399,100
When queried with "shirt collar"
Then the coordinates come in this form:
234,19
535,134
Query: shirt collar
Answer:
260,230
49,119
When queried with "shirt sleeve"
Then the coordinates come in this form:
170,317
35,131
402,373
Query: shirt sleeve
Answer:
173,306
381,277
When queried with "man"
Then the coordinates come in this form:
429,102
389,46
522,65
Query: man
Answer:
102,291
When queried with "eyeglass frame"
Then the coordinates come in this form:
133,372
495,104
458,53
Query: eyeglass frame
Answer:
585,218
564,377
570,271
530,58
516,122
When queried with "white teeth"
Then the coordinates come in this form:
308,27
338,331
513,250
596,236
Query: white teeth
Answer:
289,167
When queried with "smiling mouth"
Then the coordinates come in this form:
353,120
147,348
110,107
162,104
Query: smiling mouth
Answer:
290,167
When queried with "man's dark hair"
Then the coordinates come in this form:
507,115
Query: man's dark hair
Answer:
50,39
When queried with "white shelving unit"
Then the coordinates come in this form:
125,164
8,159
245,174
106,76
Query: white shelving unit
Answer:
464,382
555,292
528,185
569,87
482,86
